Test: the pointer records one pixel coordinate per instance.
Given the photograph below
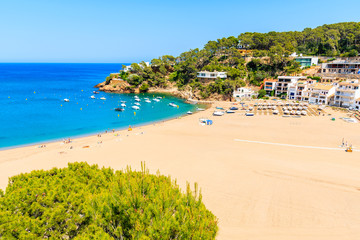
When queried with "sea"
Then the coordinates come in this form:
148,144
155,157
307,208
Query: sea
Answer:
33,110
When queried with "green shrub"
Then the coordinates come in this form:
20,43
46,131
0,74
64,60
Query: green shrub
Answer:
144,87
85,202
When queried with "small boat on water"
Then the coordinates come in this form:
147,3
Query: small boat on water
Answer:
119,109
173,104
189,112
92,97
218,113
156,100
123,105
137,99
147,101
123,101
230,111
234,108
159,97
95,92
135,107
249,114
66,100
200,109
138,104
103,98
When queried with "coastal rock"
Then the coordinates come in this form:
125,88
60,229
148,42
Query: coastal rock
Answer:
115,86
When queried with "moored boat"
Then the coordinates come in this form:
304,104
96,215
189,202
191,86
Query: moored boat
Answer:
218,113
119,109
173,104
135,107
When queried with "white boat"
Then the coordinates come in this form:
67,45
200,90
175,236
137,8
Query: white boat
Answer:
135,107
137,99
138,104
249,114
123,101
146,98
148,101
156,100
218,113
103,98
92,97
173,104
230,111
66,100
200,109
159,97
189,112
136,96
123,105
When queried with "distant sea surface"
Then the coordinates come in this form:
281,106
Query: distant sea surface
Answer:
32,107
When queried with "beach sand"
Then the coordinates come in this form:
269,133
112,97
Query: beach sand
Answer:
257,187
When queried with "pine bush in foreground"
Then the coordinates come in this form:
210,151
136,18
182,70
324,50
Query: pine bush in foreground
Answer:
85,202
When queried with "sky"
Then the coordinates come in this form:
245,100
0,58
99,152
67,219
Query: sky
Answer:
116,31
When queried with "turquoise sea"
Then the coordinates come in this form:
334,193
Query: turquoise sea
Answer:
32,107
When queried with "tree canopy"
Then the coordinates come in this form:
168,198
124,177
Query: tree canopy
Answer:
249,58
85,202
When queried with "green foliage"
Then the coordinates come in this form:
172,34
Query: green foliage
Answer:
261,93
269,51
85,202
144,87
327,40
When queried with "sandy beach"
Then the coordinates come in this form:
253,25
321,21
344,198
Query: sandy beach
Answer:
264,177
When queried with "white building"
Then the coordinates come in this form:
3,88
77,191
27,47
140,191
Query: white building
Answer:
129,68
243,93
307,61
206,75
357,104
321,93
347,93
284,82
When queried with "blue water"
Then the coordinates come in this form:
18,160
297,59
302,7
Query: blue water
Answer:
32,109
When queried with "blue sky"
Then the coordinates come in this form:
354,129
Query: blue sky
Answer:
130,31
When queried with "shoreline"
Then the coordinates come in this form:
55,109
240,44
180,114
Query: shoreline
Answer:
270,191
46,142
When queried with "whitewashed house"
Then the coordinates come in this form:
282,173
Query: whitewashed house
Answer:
243,93
347,94
321,93
284,82
206,76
